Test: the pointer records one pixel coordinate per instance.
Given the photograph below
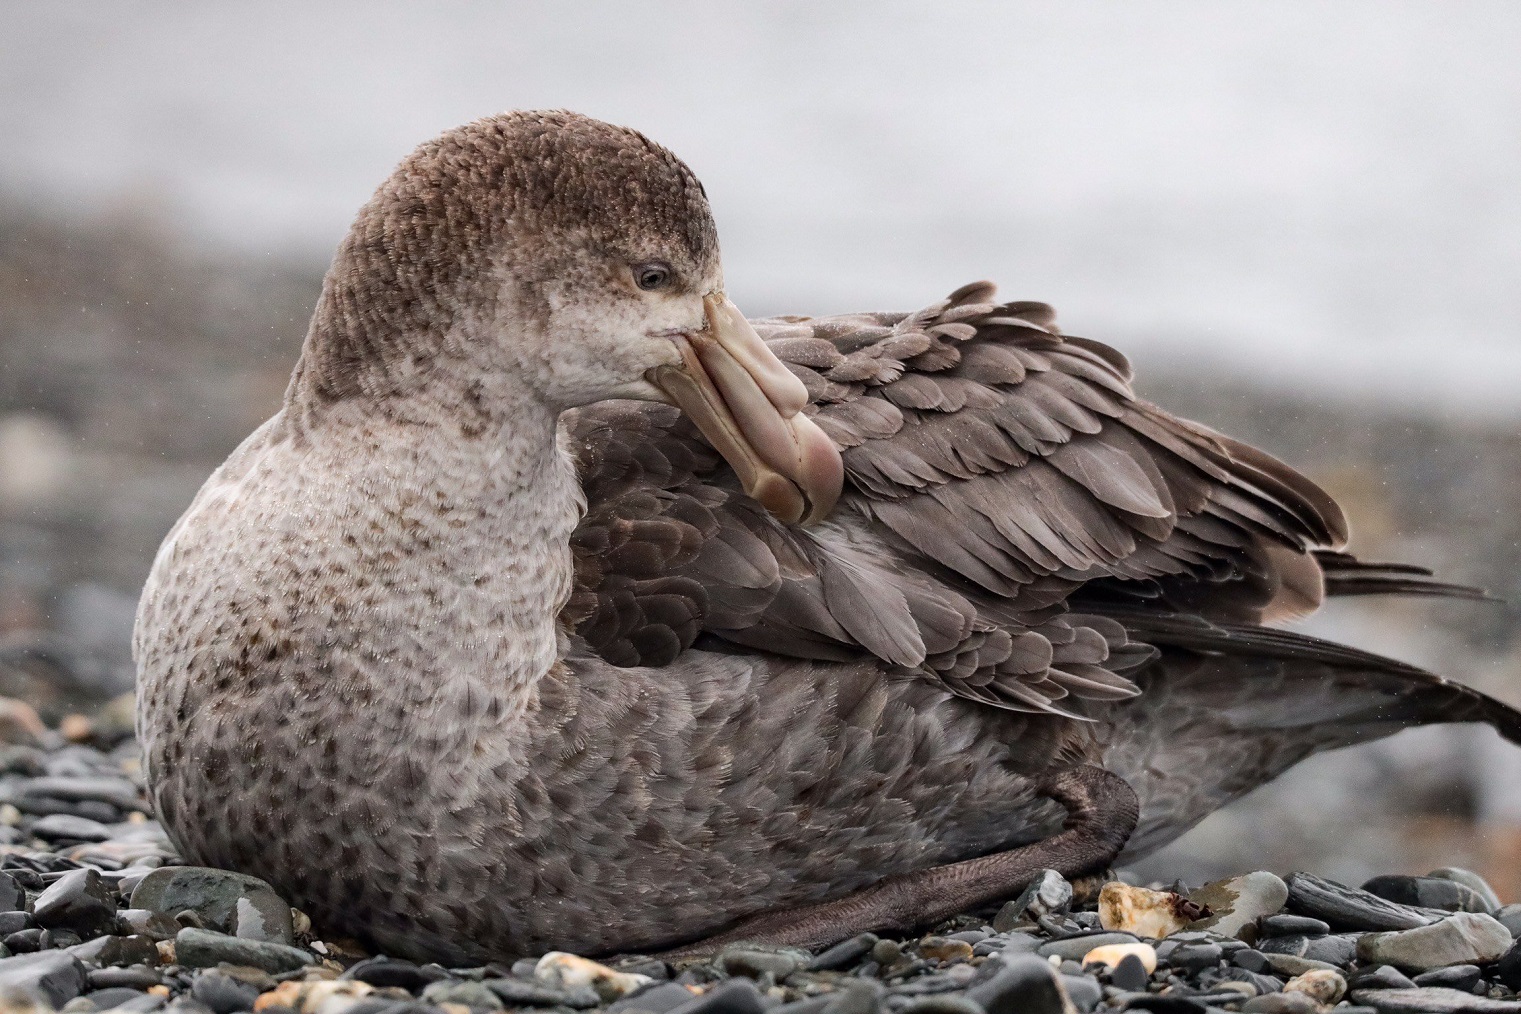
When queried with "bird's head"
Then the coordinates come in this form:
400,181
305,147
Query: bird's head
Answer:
579,261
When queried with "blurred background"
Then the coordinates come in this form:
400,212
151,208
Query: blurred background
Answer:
1301,220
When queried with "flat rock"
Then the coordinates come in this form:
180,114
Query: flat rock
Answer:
474,995
1286,925
1429,892
1073,948
52,976
1282,1003
231,903
1432,999
201,948
753,962
1349,907
844,953
402,974
1236,904
118,792
222,993
1464,977
1466,938
530,993
80,901
657,998
1289,965
1382,977
67,827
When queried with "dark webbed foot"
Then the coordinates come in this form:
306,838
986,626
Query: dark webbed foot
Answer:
1102,811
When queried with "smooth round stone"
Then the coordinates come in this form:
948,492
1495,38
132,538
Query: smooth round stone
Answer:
70,828
475,995
233,903
392,972
1382,977
1464,977
15,922
222,993
80,901
1129,974
1281,1003
115,996
199,948
843,954
53,976
1083,990
1321,985
1195,957
1073,948
1286,925
132,978
1465,938
942,1003
1431,1000
755,962
531,993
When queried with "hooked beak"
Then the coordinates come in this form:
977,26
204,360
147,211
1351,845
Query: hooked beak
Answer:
749,406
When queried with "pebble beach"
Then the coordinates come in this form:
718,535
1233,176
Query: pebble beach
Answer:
97,913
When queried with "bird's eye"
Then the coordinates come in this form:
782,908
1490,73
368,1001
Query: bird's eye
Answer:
651,276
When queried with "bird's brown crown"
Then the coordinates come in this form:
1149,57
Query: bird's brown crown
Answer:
533,189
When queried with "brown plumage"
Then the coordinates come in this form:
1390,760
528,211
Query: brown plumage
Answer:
480,647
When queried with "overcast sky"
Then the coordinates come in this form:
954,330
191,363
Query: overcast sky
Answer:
1299,189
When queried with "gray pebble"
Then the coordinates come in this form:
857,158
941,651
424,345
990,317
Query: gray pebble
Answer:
1433,999
1074,947
844,953
1284,925
222,993
53,976
1463,938
1464,977
199,948
1340,905
475,995
80,901
1023,985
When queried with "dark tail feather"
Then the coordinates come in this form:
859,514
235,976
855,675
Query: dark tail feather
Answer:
1347,575
1227,709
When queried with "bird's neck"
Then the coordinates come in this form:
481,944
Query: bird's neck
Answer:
467,515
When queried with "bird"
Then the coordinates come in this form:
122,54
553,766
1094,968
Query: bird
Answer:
560,606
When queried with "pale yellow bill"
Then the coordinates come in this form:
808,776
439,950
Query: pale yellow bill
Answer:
749,405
